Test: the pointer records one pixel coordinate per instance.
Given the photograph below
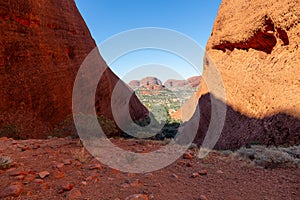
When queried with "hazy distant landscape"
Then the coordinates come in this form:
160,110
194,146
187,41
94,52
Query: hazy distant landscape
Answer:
165,97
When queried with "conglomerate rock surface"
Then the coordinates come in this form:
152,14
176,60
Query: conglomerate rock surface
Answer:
255,47
43,43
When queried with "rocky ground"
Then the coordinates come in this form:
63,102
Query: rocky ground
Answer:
61,169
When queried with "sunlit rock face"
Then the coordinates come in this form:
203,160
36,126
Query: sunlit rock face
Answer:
255,47
43,43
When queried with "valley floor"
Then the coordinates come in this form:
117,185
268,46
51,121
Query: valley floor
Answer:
59,169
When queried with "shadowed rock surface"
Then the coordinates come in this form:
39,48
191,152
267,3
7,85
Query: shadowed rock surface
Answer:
242,130
43,44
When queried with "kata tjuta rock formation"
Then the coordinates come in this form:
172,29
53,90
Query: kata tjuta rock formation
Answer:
193,82
188,108
190,82
151,83
255,45
42,46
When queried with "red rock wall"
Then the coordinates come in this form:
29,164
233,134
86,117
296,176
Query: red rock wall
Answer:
42,46
255,47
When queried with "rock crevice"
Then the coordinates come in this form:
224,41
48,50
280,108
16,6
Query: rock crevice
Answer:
264,39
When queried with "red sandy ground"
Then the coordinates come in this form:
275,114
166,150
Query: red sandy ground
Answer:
226,178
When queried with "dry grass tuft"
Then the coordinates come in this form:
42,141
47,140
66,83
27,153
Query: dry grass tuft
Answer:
5,162
269,157
81,155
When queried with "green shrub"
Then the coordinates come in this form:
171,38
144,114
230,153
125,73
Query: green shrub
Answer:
271,157
11,131
67,127
108,126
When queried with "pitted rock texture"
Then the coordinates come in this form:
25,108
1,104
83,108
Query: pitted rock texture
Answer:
255,47
42,46
259,58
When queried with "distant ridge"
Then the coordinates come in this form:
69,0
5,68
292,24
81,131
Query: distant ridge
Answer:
153,82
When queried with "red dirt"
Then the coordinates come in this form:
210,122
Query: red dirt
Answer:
71,179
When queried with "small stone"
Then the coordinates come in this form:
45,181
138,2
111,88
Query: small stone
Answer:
137,197
58,175
84,183
14,142
60,165
95,166
13,190
10,170
158,185
67,162
181,163
114,171
74,194
46,186
29,178
125,185
43,174
203,197
20,177
29,193
38,180
60,191
203,172
220,172
20,146
188,156
91,178
174,176
148,175
17,172
195,175
67,186
36,146
136,183
189,164
4,139
25,148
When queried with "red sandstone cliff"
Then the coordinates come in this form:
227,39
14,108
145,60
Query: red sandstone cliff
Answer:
255,47
42,46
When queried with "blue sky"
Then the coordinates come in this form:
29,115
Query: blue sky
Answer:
106,18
